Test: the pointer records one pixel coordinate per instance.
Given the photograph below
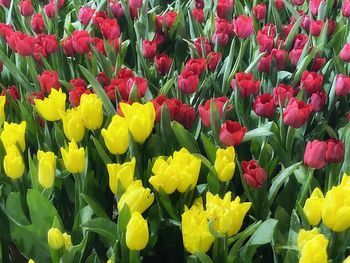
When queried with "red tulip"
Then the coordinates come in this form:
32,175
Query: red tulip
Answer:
318,100
311,81
37,23
315,154
49,80
264,105
196,65
198,44
224,7
198,15
214,59
314,5
170,18
264,63
26,7
316,27
204,110
163,63
80,41
279,55
232,133
85,15
12,92
345,53
246,84
342,85
346,8
254,175
279,4
296,113
149,49
282,93
188,82
109,28
260,11
75,94
298,2
243,26
335,151
266,42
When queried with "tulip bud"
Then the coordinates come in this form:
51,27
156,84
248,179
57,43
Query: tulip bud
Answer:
318,100
264,105
315,154
188,82
204,110
342,85
254,175
232,133
136,197
50,107
137,234
282,93
198,15
243,26
296,113
315,250
163,63
55,238
85,15
49,80
346,8
246,84
2,108
149,49
316,27
225,163
140,119
31,261
73,125
335,151
91,110
116,135
73,158
13,134
121,173
345,53
313,207
37,23
13,163
47,168
260,11
195,229
67,241
26,7
347,260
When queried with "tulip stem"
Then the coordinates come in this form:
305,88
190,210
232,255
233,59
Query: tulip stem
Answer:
134,256
306,186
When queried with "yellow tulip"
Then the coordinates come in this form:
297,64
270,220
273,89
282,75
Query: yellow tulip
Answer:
91,110
73,158
50,107
315,250
305,236
228,215
2,108
195,229
31,261
136,197
137,234
47,168
13,134
347,260
345,182
336,208
225,163
55,238
13,163
73,125
67,241
121,173
179,172
313,207
140,119
116,136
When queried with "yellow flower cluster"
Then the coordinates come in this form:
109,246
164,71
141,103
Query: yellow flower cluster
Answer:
57,240
312,246
178,172
333,209
227,217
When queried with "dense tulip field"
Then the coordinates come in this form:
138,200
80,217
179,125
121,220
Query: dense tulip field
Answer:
207,131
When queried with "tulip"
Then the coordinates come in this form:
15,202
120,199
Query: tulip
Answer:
50,107
163,63
140,119
121,173
188,82
318,100
196,65
47,168
243,26
49,80
266,42
311,81
296,113
316,27
55,238
136,197
37,23
227,215
264,105
109,28
254,175
13,163
14,134
282,93
91,111
260,11
31,261
116,135
80,41
225,163
342,85
179,172
298,2
214,59
305,236
279,55
313,207
246,84
335,151
232,133
85,15
346,8
137,234
169,17
26,7
315,154
204,110
73,125
67,241
347,260
315,250
2,108
336,207
149,49
345,53
195,229
73,158
198,15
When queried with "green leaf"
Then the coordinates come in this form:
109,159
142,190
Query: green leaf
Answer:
185,138
209,148
104,156
103,227
280,179
75,253
254,62
263,131
95,206
293,32
204,258
14,209
168,206
107,104
123,220
215,121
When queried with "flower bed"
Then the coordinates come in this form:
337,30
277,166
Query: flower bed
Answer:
174,131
